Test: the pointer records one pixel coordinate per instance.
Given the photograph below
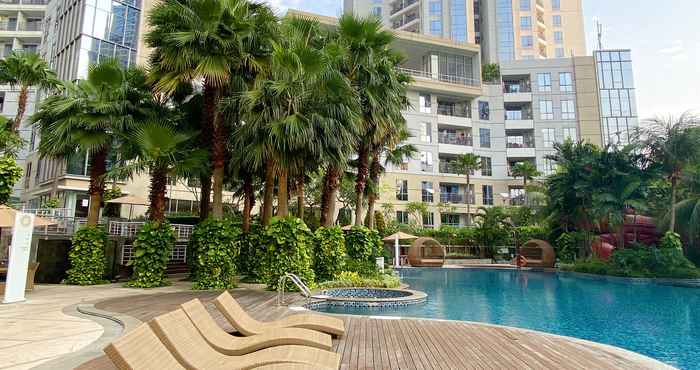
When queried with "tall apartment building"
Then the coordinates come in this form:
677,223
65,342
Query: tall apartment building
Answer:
549,91
80,33
21,29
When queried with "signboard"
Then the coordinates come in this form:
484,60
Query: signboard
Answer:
19,258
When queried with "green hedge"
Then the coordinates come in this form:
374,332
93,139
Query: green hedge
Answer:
248,260
152,247
329,252
641,263
87,256
10,173
347,279
216,245
287,249
362,243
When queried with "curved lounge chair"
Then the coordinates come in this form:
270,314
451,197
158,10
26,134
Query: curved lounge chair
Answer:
235,346
183,340
247,325
141,349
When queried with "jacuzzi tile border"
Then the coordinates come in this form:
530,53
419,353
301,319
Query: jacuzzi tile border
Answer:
413,297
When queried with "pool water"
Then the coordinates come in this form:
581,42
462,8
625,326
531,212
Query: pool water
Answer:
660,321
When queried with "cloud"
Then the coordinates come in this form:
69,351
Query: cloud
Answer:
283,5
676,48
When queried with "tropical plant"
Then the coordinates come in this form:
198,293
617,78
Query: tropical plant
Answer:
209,41
286,244
362,243
250,251
10,141
672,143
527,170
216,246
491,72
152,247
92,116
87,256
26,70
329,252
417,210
689,207
10,173
466,164
671,240
493,228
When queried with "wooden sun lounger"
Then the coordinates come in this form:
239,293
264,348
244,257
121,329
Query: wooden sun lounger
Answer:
183,340
247,325
140,349
236,346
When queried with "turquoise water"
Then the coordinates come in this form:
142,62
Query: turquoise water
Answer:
659,321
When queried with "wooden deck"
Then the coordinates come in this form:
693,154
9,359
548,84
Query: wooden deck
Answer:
372,343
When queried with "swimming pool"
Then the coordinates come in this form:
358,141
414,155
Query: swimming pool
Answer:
659,321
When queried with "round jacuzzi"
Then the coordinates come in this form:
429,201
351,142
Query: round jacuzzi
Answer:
368,297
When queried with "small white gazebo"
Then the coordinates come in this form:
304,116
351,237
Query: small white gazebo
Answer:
396,237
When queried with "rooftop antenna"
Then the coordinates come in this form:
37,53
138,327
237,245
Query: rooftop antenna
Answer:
599,29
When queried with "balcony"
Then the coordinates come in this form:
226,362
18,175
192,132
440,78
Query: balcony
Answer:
399,6
405,20
426,167
24,2
453,109
20,26
454,198
440,83
455,138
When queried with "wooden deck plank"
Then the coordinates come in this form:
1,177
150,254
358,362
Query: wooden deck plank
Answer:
371,343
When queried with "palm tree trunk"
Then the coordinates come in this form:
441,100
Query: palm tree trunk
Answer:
159,180
248,200
21,107
282,193
98,169
361,181
204,196
331,182
218,146
300,196
469,213
674,185
269,193
372,196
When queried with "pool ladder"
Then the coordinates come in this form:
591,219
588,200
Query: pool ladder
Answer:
296,280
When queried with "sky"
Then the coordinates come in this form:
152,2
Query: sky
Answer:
663,36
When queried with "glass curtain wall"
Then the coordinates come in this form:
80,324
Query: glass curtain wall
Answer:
617,95
504,22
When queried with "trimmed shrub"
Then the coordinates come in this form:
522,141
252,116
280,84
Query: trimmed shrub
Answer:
10,173
365,268
525,233
379,223
362,243
152,247
671,240
567,246
87,256
348,279
217,247
329,252
287,249
250,253
642,263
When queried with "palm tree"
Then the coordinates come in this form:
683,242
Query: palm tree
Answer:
372,68
90,117
527,170
466,164
492,226
304,108
689,207
160,150
209,41
26,70
672,143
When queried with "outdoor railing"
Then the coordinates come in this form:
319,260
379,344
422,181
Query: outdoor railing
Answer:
130,228
518,115
126,229
401,5
511,88
453,79
25,2
20,26
454,111
177,255
447,167
452,198
525,145
455,139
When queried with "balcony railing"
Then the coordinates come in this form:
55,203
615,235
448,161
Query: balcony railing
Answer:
518,115
457,80
25,2
20,26
401,5
452,198
447,167
425,167
510,88
529,143
452,110
455,139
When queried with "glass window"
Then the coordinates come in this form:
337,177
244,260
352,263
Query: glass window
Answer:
526,41
428,219
486,167
559,53
566,83
427,192
402,217
504,27
558,37
544,81
448,219
548,137
568,111
377,11
556,4
547,167
484,112
569,133
526,23
131,33
402,190
485,137
458,20
426,132
556,20
525,5
487,193
546,112
116,32
425,103
436,8
436,27
426,161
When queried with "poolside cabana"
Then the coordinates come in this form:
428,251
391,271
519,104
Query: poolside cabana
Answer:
426,252
397,238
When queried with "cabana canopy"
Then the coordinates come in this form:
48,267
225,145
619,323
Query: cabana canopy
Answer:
399,236
8,214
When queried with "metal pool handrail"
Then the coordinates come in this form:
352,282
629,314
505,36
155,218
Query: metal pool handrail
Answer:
305,291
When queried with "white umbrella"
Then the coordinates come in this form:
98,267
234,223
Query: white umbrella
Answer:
396,237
